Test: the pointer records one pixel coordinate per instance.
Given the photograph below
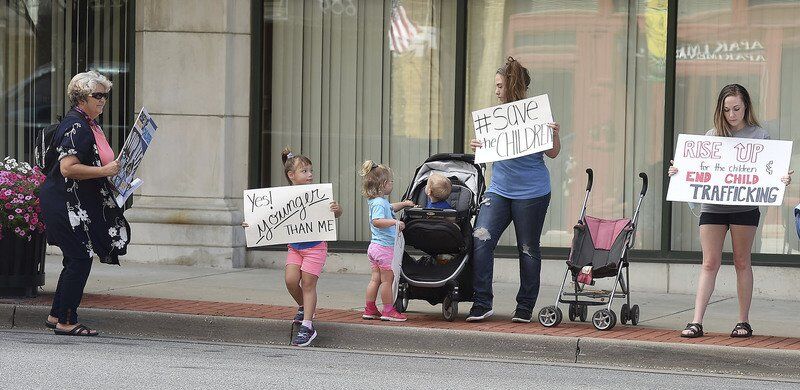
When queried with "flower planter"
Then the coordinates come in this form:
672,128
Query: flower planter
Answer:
21,264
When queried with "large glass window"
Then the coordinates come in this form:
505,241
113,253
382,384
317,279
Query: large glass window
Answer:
602,66
43,43
342,84
755,44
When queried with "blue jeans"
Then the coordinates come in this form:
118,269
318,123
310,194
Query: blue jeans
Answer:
494,217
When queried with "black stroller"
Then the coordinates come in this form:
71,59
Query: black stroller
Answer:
602,245
443,273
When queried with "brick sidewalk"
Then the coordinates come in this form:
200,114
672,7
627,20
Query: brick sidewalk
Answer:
432,321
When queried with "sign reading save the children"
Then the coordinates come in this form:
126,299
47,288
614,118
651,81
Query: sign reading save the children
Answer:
728,170
513,129
291,214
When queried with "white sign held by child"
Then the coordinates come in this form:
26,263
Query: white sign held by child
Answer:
730,171
290,214
513,129
397,261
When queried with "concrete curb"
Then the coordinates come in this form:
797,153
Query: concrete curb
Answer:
627,354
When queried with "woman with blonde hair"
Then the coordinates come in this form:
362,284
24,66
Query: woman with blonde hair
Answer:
78,205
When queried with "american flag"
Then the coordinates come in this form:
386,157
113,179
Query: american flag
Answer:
401,30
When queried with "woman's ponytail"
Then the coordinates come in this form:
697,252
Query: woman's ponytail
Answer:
517,80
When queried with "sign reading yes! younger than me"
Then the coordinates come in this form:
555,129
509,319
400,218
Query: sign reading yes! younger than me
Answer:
513,129
728,170
291,214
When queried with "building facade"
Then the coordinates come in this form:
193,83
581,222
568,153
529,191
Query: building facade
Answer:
232,82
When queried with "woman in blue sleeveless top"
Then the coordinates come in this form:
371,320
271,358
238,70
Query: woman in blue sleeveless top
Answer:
519,192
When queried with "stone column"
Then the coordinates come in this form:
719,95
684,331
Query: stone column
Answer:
193,76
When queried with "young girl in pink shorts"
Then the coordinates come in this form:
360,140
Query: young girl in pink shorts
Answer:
377,185
305,259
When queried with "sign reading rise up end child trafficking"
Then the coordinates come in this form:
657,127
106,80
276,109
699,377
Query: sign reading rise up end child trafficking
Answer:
290,214
728,170
513,129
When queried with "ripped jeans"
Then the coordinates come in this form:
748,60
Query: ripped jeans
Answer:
494,217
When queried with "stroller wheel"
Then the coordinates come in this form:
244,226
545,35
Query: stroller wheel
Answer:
401,303
584,313
573,311
550,316
624,314
634,315
604,319
449,309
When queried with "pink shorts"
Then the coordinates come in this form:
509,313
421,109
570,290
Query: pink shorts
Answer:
310,260
380,256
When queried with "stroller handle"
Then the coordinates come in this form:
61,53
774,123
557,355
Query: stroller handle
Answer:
644,183
591,175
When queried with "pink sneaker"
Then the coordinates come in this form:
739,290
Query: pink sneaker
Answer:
371,313
393,315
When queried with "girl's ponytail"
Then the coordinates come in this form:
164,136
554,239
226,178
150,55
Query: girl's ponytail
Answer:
286,154
366,167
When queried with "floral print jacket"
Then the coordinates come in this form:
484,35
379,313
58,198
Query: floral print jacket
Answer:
81,216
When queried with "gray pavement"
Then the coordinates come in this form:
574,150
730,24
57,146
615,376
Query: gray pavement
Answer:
346,291
104,363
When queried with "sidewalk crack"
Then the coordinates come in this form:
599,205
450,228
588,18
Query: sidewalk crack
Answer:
13,316
166,281
684,311
577,349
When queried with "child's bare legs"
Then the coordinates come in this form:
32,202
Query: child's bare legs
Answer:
386,279
309,300
292,277
374,284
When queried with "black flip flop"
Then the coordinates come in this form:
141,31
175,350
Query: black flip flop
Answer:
51,325
742,326
695,328
80,330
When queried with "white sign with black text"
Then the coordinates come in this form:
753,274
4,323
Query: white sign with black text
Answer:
290,214
513,129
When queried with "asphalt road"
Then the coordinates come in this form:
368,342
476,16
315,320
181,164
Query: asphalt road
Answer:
37,360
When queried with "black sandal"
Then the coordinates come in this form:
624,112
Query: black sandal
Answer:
51,325
742,326
79,330
695,328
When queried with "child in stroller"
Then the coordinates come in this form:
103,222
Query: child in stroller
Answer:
438,190
442,273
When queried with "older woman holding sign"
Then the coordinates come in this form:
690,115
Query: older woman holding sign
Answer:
519,192
733,117
77,203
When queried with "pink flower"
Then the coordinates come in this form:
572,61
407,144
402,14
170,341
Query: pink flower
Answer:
10,217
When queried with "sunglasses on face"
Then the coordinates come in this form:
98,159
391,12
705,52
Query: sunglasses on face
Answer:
100,95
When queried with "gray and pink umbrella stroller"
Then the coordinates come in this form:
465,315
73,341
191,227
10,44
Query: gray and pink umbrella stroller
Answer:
599,250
